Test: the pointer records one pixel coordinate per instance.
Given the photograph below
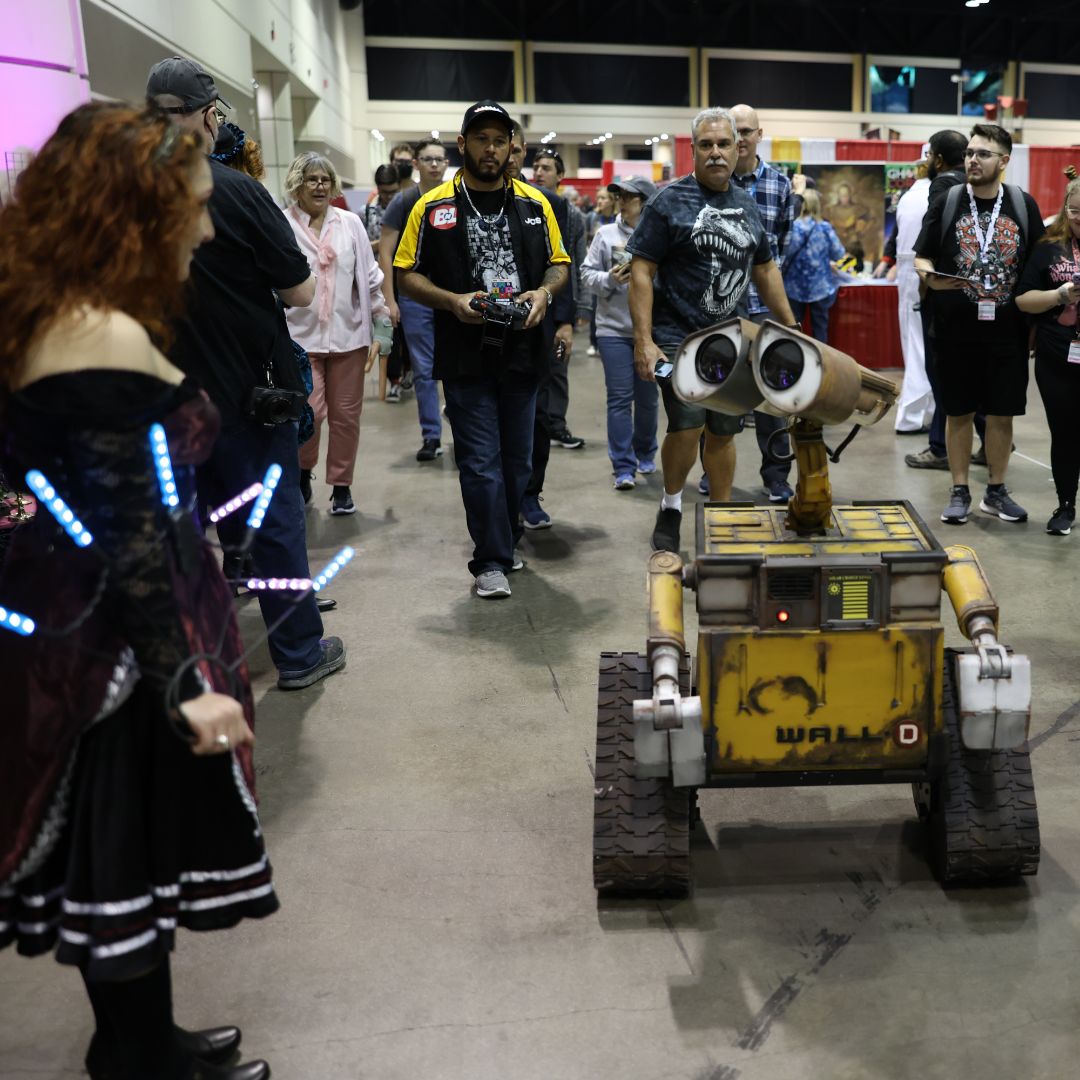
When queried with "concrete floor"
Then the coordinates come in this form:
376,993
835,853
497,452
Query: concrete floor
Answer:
429,815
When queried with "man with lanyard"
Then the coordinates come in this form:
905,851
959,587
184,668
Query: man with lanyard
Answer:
482,240
971,252
771,190
416,320
233,336
703,235
558,328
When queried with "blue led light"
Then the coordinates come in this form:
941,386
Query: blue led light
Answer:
332,567
159,447
59,509
258,511
20,624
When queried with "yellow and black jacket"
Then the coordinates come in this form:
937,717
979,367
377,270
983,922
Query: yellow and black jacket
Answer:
434,243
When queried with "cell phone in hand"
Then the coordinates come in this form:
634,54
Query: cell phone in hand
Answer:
663,369
560,351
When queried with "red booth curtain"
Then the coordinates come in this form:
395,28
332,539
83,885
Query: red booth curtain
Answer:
1046,179
684,155
877,150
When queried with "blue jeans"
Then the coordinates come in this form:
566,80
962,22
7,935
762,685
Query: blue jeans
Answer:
241,456
819,315
632,407
418,323
492,422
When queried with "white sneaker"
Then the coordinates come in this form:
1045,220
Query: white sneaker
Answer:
492,584
592,351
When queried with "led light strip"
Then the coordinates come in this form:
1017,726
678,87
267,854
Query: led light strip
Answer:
159,447
296,584
332,567
59,509
20,624
236,502
258,511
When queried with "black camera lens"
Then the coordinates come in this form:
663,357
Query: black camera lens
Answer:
782,365
716,359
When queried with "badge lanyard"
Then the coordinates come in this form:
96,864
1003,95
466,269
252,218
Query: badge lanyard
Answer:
984,242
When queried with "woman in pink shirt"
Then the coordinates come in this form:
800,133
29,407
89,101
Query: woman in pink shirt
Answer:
342,328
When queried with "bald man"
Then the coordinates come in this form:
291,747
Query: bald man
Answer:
771,190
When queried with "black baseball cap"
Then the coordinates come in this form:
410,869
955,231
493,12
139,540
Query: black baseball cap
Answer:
486,110
635,185
183,79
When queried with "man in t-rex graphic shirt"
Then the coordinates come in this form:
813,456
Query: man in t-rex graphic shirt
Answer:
698,245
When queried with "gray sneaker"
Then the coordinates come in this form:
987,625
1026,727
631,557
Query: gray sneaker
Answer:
926,459
959,504
519,562
333,659
1001,504
491,584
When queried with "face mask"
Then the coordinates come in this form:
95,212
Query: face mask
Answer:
404,170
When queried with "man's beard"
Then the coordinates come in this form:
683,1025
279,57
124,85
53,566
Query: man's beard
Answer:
473,167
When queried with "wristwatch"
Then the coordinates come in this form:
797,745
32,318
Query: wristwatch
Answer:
547,292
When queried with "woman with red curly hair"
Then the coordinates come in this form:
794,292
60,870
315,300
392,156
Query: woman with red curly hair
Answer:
124,811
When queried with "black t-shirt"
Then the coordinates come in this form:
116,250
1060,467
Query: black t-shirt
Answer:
1050,267
705,243
398,210
235,324
956,312
492,263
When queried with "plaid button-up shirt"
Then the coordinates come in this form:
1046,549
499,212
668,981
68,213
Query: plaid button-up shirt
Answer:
771,190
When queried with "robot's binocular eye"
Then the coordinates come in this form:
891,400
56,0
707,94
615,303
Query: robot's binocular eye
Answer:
782,365
716,358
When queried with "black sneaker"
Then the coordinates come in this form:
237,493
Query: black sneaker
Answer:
1061,521
431,449
341,501
333,659
979,457
665,535
305,485
956,513
566,440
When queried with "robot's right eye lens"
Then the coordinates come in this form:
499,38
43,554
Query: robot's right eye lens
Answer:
716,358
782,365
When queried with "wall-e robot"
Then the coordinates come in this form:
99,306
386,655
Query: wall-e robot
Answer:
820,652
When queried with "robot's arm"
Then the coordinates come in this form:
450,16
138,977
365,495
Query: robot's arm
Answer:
993,685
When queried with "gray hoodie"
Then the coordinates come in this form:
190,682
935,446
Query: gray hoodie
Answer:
612,309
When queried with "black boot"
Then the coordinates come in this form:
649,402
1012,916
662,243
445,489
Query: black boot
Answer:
214,1046
250,1070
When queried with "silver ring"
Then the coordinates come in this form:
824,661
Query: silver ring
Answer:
222,741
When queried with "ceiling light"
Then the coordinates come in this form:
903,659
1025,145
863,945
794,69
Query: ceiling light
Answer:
648,142
608,135
664,137
434,133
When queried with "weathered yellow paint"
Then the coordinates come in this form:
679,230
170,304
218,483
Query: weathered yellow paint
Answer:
666,600
968,588
852,530
865,683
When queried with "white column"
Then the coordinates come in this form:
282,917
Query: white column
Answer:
273,102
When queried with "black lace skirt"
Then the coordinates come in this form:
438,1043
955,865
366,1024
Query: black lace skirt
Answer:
142,837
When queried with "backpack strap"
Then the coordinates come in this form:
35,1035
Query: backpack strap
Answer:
1019,209
948,211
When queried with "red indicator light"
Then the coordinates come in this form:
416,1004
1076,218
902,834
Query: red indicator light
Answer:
783,615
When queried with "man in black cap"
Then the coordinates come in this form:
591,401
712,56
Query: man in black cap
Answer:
233,340
485,234
189,94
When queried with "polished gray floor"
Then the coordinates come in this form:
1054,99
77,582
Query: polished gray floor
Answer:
429,816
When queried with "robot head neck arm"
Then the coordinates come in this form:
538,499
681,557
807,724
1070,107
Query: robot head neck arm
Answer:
738,366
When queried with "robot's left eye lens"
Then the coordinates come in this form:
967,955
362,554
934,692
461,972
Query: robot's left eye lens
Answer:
782,365
716,358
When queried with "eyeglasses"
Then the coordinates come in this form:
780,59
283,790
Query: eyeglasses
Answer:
432,160
745,133
982,155
318,181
